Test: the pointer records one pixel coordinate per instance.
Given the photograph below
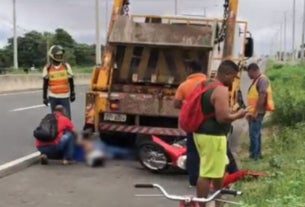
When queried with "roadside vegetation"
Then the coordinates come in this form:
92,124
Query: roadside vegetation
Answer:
33,47
284,144
76,70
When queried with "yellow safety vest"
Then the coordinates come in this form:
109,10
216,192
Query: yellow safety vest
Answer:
58,80
253,96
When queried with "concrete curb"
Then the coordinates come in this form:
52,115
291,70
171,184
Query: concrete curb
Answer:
18,164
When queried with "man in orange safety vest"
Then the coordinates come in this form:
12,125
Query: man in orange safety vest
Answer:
58,84
259,102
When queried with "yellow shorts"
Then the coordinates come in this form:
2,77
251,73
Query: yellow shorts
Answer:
213,155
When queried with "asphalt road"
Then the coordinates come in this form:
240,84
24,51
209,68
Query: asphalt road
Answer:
81,186
20,113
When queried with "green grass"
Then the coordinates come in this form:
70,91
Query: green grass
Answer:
283,148
284,162
82,69
288,83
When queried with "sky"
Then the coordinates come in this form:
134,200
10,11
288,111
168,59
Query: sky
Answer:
265,17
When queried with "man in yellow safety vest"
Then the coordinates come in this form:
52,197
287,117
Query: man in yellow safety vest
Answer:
58,84
259,102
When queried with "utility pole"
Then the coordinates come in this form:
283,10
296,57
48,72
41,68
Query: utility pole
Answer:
285,37
98,56
205,11
47,48
176,7
281,42
106,15
15,37
293,30
230,30
303,35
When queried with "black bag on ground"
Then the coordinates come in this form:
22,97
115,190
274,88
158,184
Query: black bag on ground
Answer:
47,129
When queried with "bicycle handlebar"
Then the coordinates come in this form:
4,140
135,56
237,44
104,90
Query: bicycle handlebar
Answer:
230,192
144,186
189,198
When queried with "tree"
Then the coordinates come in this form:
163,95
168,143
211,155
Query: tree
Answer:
33,49
84,54
63,38
5,58
30,49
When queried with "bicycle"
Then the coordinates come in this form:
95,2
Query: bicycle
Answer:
190,201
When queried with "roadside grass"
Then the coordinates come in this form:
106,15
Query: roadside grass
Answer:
82,69
288,84
284,162
283,146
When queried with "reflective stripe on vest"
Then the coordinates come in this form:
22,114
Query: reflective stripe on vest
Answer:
58,80
253,96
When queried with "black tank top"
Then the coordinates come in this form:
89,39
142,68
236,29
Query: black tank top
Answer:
212,126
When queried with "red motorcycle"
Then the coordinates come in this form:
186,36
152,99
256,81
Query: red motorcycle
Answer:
157,156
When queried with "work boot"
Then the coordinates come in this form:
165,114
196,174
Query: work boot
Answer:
44,159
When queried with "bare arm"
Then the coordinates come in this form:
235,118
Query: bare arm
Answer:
179,97
262,90
177,104
261,101
220,100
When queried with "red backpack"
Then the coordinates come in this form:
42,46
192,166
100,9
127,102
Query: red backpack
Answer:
191,115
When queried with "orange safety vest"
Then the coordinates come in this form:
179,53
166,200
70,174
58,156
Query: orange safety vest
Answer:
58,80
253,96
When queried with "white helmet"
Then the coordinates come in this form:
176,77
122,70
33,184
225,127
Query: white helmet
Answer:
56,53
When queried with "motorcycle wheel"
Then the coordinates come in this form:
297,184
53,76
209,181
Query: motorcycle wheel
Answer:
153,157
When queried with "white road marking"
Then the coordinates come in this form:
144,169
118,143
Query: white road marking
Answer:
19,93
27,108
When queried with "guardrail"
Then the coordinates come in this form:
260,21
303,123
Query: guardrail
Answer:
33,81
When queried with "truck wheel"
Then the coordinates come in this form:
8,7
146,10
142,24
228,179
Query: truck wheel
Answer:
153,157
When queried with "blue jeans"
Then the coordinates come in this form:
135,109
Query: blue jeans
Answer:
255,128
63,150
192,161
65,102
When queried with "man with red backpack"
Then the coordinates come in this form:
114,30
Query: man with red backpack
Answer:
196,77
58,83
207,114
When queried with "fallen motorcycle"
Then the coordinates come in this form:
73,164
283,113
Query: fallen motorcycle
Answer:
157,156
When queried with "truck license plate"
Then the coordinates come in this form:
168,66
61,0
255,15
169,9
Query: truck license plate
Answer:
115,117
